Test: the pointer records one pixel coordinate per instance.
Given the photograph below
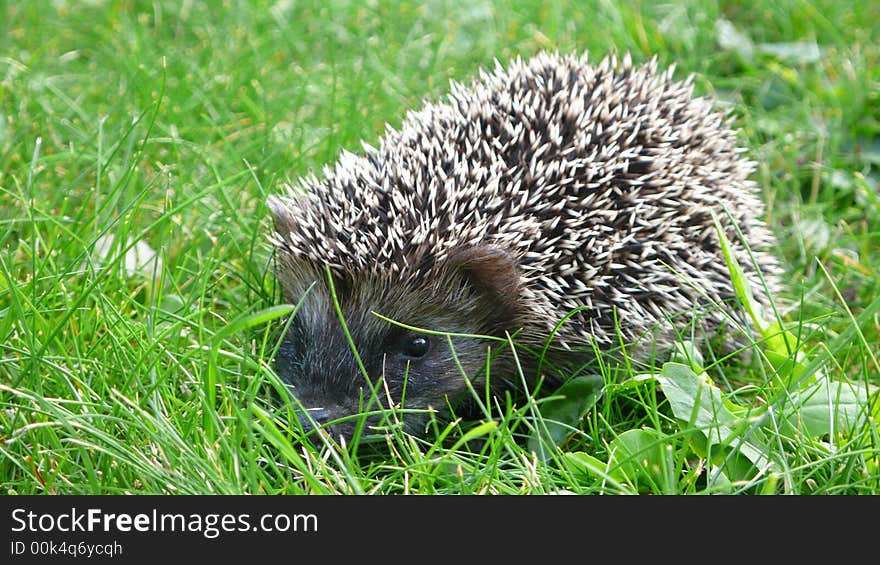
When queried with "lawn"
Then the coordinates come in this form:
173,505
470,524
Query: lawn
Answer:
139,141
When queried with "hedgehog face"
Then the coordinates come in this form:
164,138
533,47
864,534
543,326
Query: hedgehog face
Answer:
418,371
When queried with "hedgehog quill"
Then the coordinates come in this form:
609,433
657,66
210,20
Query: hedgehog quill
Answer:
543,187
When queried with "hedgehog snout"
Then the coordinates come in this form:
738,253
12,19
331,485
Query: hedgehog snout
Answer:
317,409
320,418
307,416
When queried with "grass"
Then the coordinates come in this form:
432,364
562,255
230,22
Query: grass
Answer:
130,126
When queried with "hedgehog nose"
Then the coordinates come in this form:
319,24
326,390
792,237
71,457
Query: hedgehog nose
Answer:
316,415
319,415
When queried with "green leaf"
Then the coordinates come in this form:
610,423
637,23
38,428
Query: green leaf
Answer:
697,401
562,412
780,340
827,407
789,370
727,465
741,285
580,462
641,455
687,353
479,431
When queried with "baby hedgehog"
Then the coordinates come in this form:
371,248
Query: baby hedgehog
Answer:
545,187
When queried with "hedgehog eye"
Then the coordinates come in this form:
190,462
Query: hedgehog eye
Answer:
415,346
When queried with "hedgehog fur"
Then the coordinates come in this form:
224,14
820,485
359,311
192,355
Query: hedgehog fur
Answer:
548,186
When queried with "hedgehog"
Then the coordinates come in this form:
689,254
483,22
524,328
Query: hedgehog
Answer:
550,205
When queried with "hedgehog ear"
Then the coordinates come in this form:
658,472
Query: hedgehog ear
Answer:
490,269
281,215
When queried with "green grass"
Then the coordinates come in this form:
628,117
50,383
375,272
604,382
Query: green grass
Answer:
168,123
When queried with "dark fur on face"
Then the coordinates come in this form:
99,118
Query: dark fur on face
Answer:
406,368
